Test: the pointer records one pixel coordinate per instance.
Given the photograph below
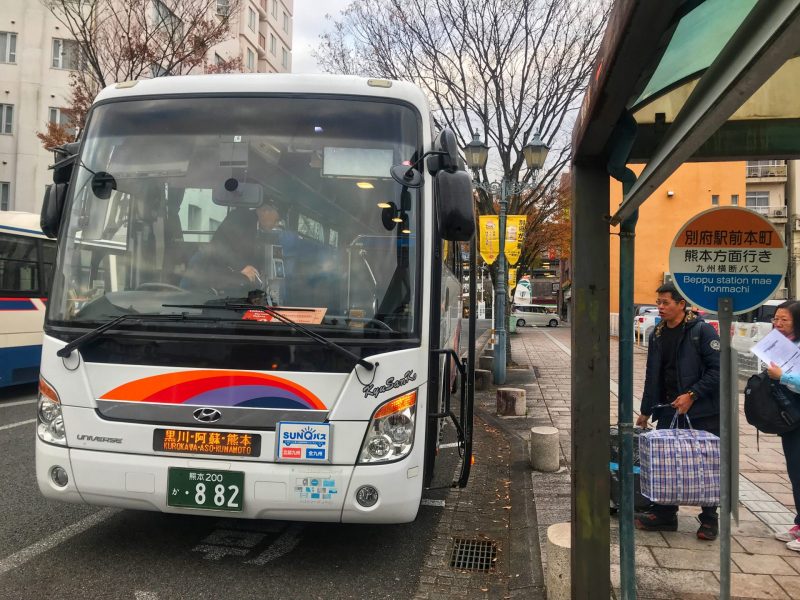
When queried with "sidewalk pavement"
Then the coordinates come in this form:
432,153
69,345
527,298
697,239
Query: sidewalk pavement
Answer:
669,564
510,506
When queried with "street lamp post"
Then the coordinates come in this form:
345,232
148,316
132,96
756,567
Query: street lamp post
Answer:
476,154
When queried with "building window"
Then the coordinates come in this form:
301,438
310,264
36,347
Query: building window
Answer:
734,199
251,18
757,201
272,43
286,22
275,8
766,168
58,117
6,118
714,199
223,8
284,58
251,60
8,47
218,60
5,193
66,55
166,19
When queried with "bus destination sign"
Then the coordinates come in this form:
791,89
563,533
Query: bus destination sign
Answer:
728,252
190,441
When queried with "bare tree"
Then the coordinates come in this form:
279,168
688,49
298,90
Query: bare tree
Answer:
503,68
122,40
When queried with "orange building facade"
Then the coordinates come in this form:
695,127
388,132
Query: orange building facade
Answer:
693,188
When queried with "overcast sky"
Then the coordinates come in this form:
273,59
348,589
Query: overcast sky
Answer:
309,23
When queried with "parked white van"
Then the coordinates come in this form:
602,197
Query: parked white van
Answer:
534,314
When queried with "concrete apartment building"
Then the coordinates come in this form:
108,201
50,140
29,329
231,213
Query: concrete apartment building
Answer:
37,54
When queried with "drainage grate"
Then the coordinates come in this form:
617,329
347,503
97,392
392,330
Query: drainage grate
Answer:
473,555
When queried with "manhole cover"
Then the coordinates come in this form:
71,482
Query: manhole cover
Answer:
473,555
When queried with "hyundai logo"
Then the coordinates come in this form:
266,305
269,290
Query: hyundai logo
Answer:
207,415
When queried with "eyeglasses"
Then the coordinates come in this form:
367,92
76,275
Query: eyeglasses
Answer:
777,320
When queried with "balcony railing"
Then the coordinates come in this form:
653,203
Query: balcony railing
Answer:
766,170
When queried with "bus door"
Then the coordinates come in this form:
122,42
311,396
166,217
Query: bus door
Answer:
451,397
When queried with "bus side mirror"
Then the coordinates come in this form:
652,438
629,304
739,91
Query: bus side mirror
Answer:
455,212
55,195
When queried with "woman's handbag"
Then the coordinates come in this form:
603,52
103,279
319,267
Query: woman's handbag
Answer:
769,406
680,466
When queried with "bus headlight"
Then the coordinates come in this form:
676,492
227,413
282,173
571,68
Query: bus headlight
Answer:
390,435
49,420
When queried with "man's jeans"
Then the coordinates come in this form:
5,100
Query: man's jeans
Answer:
708,514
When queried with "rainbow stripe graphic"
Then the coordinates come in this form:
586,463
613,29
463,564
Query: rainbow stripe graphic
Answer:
218,388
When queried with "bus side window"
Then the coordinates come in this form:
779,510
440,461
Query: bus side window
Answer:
19,266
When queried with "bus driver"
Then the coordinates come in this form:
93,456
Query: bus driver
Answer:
234,261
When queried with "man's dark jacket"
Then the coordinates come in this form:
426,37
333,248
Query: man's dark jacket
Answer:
697,370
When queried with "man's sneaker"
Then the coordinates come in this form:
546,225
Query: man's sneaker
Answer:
708,530
789,536
793,545
650,521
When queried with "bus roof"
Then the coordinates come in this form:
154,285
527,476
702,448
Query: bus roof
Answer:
20,223
253,83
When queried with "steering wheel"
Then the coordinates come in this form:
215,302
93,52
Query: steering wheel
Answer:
156,286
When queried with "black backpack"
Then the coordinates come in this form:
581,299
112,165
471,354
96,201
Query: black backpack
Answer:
769,406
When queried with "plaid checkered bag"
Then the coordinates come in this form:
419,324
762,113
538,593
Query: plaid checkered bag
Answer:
680,466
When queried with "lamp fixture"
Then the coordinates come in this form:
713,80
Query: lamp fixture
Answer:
364,185
384,205
670,193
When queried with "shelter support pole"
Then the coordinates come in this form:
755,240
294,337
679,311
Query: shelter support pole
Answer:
725,310
625,406
590,548
622,141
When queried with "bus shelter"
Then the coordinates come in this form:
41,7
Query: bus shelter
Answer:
675,81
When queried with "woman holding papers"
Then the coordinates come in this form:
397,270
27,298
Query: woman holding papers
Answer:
787,321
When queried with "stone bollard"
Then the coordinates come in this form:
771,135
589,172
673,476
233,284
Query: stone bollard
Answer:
486,362
545,452
558,580
511,402
483,378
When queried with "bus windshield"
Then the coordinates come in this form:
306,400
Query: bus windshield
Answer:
209,205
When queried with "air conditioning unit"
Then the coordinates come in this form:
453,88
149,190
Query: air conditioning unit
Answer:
667,277
781,294
778,212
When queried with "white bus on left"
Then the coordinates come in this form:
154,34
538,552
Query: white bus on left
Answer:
26,266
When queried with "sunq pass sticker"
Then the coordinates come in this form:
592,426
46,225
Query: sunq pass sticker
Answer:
303,442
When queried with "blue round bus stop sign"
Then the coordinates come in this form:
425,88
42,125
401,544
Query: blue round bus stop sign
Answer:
728,252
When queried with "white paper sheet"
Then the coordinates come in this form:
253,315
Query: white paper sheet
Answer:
777,348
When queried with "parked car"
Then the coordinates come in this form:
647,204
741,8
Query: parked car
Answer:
534,314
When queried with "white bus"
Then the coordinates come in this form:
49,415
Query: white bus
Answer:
256,306
26,266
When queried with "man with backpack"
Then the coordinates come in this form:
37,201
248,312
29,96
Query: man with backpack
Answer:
682,377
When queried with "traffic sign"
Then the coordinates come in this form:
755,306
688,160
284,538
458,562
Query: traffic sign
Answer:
727,252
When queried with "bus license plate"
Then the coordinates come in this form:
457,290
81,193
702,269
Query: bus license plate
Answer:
200,488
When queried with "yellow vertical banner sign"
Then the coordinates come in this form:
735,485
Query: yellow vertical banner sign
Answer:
515,234
512,278
489,238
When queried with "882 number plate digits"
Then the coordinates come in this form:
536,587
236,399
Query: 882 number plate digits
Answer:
200,488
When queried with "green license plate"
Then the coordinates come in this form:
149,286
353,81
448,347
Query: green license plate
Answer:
201,488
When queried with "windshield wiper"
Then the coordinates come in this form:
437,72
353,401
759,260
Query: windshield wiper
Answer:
285,320
78,343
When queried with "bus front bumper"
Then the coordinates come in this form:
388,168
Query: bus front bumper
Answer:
271,490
